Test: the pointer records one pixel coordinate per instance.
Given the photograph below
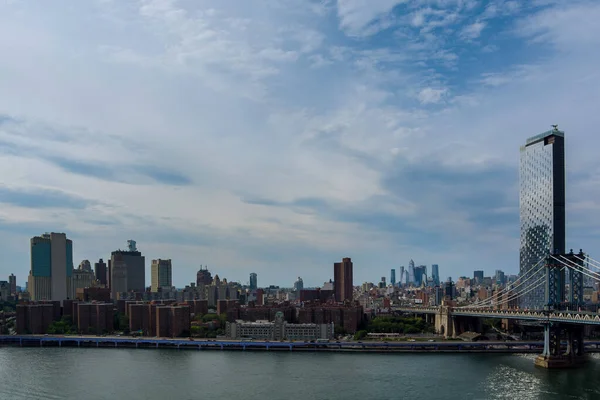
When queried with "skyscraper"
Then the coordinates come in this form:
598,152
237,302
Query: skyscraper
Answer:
12,281
253,281
411,272
402,276
51,267
128,270
204,277
478,277
298,285
101,272
542,207
161,274
435,274
342,279
393,277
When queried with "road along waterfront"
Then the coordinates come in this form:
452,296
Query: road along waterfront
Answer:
332,346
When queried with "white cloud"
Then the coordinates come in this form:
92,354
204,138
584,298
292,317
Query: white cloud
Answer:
431,95
175,120
473,31
355,15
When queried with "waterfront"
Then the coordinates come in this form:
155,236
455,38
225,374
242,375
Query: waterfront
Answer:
69,373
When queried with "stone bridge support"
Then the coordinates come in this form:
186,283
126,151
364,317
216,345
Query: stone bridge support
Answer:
444,324
553,355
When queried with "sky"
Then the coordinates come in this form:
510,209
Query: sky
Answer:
278,136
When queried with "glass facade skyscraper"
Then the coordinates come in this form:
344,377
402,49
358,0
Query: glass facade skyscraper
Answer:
542,208
435,274
393,277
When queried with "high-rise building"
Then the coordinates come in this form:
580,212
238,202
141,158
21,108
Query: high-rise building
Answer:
82,278
342,279
253,281
161,275
411,272
12,281
51,267
85,265
393,277
204,277
128,270
402,276
435,274
542,208
420,273
298,285
101,273
478,277
500,277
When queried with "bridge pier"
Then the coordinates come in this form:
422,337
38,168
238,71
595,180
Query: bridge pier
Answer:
553,357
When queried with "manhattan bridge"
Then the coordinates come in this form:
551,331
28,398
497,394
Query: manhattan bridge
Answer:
541,291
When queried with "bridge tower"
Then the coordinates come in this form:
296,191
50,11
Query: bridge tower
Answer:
554,333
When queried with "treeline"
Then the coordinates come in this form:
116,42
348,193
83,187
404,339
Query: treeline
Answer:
401,325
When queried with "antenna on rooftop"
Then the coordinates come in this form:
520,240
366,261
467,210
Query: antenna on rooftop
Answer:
555,127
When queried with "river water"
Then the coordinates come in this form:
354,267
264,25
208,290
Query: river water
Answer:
72,373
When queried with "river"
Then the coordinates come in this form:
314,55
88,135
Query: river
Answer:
73,373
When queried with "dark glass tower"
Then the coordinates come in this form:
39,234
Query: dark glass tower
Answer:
542,208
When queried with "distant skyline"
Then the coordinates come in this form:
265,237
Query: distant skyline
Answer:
279,136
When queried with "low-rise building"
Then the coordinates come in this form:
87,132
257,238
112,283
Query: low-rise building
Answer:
279,329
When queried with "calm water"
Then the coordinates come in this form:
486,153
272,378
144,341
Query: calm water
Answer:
52,373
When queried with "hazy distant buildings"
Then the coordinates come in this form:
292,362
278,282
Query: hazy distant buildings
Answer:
253,281
101,273
128,270
411,272
298,285
542,207
51,267
420,275
161,275
393,277
435,274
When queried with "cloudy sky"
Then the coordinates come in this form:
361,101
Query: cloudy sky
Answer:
277,136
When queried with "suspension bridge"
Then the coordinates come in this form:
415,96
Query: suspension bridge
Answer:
562,313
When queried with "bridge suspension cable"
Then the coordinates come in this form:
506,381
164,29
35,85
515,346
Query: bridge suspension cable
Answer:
534,285
527,275
578,268
590,261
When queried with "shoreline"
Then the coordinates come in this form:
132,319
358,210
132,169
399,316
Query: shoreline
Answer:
445,347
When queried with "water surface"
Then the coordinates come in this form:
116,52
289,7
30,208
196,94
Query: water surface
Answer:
72,373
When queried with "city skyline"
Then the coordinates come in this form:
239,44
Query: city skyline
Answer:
381,132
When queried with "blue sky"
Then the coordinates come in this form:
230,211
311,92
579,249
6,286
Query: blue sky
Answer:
277,136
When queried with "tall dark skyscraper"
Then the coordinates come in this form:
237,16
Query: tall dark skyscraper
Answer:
204,277
478,276
542,207
101,272
128,270
342,278
393,277
253,281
